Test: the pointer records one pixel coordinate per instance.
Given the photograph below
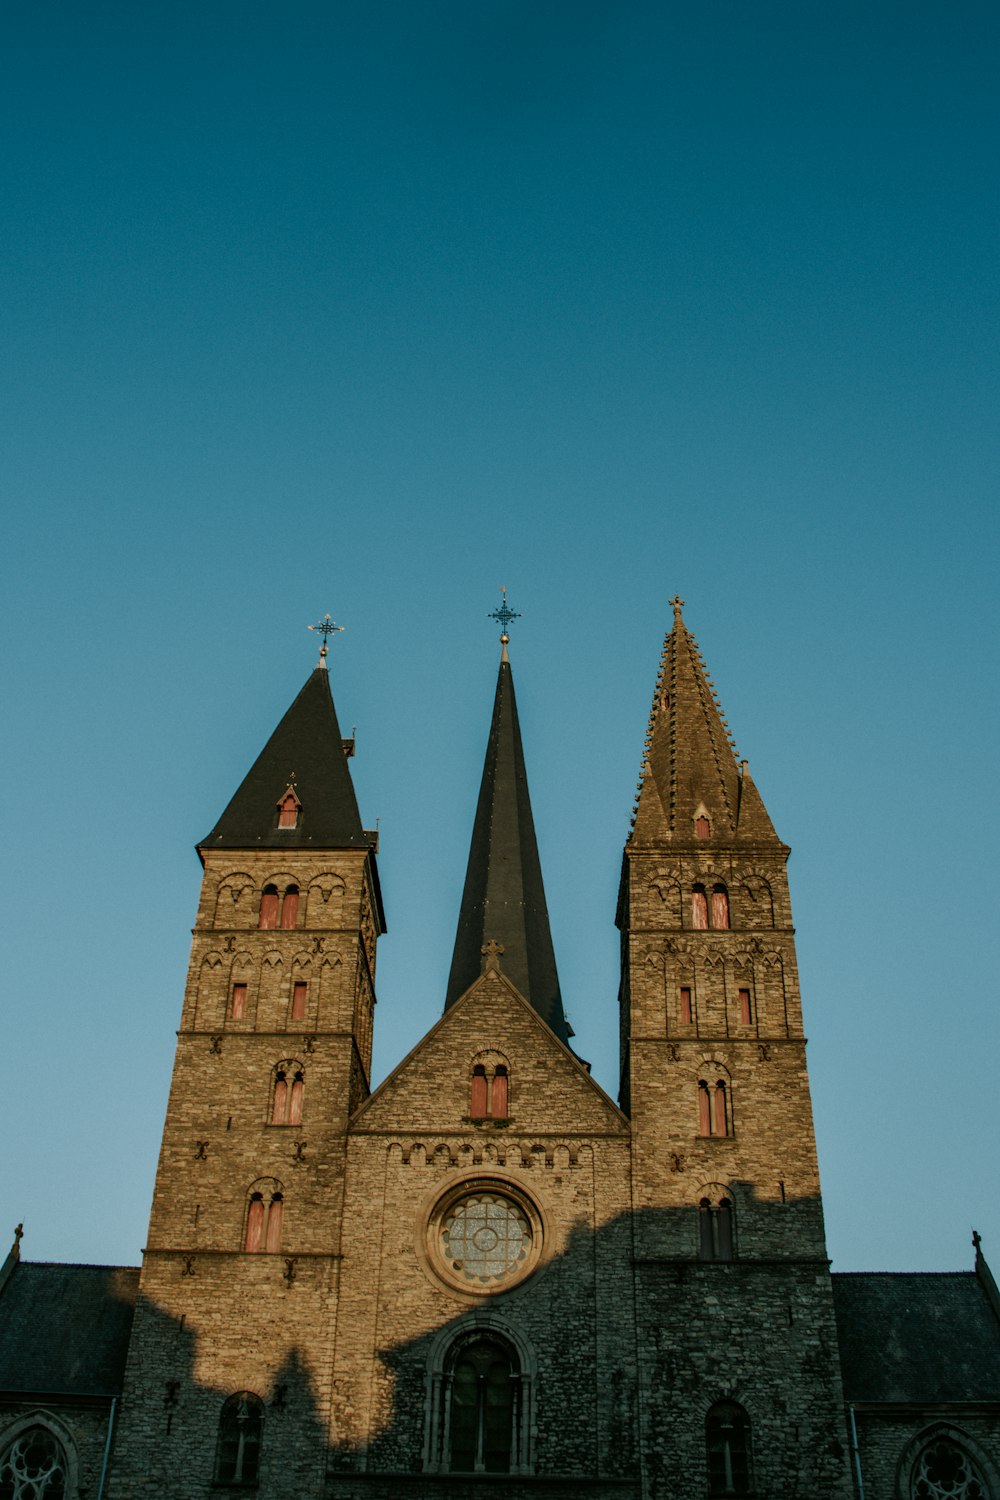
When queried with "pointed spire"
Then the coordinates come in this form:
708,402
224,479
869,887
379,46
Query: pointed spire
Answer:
503,902
305,756
692,786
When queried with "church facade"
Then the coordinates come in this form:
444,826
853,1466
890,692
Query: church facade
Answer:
486,1276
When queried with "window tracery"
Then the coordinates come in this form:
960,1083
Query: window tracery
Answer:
945,1472
34,1466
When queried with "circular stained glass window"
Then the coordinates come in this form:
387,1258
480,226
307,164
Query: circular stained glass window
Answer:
486,1238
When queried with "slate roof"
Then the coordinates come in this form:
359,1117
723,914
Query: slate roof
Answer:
504,898
917,1337
690,761
64,1329
307,749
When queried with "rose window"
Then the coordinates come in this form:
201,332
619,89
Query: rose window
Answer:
486,1238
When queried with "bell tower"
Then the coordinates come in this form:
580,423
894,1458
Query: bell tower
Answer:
730,1251
239,1289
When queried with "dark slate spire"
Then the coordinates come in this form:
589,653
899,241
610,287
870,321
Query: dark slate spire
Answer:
690,771
307,755
504,899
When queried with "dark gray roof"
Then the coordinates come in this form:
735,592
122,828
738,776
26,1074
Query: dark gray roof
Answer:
504,898
306,747
64,1330
917,1337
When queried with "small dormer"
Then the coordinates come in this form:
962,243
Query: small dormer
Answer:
289,807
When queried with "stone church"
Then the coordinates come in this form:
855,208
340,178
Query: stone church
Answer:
486,1276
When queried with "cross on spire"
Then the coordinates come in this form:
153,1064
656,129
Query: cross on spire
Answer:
503,616
677,602
326,628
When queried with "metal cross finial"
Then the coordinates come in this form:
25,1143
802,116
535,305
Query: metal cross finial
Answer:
503,616
326,628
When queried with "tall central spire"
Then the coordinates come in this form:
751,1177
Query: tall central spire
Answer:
504,898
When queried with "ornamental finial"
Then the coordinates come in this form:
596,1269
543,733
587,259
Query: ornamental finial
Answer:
678,604
503,617
326,628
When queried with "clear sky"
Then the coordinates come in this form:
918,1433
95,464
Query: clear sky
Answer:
371,308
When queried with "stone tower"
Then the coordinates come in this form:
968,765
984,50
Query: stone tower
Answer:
733,1296
239,1288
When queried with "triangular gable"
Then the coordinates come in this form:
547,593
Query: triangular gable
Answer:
551,1092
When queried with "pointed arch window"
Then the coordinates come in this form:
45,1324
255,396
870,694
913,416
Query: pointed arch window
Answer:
241,1429
944,1471
727,1443
702,827
699,909
715,1228
265,1213
288,809
713,1107
290,907
287,1094
34,1467
268,908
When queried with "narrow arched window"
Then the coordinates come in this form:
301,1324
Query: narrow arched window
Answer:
290,907
699,908
288,810
944,1472
238,1004
715,1229
727,1443
746,1012
720,907
265,1212
295,1100
279,1108
482,1408
713,1107
268,908
498,1101
702,828
478,1093
684,996
33,1467
299,992
241,1426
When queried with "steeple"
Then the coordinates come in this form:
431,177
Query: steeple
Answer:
692,786
504,899
304,757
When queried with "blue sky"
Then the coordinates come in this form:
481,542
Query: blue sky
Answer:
370,309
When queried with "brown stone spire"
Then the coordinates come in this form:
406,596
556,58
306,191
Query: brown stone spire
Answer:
692,787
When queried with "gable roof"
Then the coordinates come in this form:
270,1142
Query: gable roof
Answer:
491,993
916,1337
306,752
64,1329
504,897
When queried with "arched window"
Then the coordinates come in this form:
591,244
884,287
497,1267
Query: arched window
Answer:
702,828
286,1100
290,907
746,1010
241,1425
299,992
265,1211
944,1472
684,997
268,908
720,907
484,1388
715,1228
479,1095
33,1467
713,1107
238,1006
727,1443
699,908
498,1101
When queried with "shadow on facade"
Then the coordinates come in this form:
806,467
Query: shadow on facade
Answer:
617,1348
